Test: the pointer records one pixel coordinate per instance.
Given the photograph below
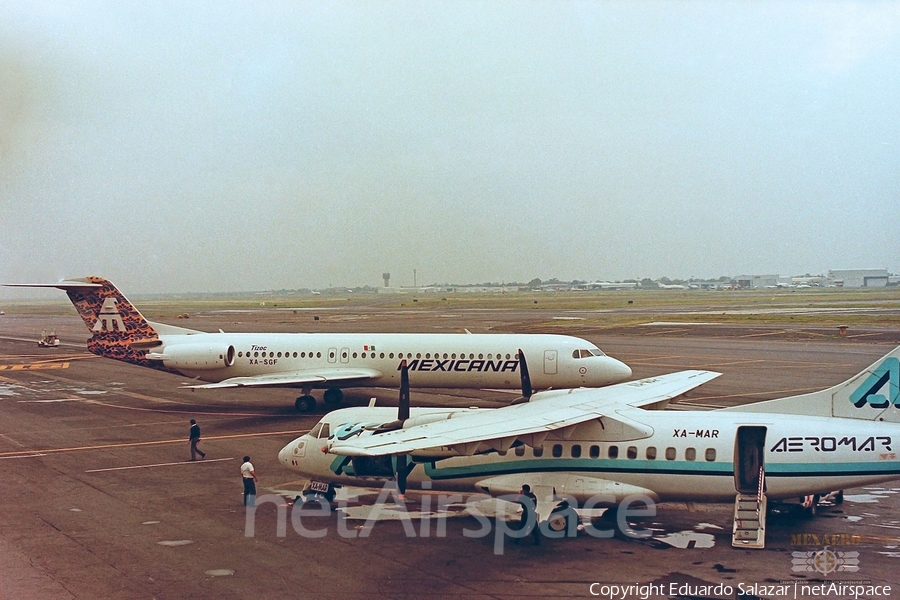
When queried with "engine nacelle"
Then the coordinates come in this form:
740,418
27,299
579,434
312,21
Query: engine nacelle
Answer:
195,357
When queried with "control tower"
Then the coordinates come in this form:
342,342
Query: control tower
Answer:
387,279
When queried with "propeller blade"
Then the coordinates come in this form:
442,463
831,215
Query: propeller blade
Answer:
402,471
403,410
526,379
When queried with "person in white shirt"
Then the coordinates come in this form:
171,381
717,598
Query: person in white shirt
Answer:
250,479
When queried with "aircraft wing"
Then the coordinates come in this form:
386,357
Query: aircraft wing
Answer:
294,378
530,422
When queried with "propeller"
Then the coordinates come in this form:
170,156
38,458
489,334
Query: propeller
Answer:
403,415
526,380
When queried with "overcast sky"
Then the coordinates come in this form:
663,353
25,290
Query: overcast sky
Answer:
189,146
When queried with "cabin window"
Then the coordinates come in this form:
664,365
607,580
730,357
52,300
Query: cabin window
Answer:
418,355
255,354
632,452
690,454
490,356
318,354
557,450
651,452
279,355
670,453
428,355
595,451
538,451
480,356
240,354
295,355
576,451
710,454
613,452
354,355
382,355
471,356
520,450
271,355
445,355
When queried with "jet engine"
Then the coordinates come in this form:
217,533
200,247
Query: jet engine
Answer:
195,356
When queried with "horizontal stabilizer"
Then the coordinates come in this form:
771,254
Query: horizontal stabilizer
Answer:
870,395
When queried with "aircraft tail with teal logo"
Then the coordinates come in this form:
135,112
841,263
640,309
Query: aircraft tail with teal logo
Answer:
871,395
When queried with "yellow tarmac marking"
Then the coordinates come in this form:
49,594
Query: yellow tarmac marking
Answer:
35,366
181,412
151,443
751,335
183,462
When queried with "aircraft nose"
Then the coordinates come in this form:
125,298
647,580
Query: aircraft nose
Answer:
284,456
614,371
622,371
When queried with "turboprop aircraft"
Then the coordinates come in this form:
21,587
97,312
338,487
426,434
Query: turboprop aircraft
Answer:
329,360
596,447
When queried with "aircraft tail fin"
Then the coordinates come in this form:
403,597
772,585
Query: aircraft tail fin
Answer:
871,395
119,330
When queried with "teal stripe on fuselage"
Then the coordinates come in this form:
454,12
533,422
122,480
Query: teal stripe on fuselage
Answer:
585,465
831,469
653,467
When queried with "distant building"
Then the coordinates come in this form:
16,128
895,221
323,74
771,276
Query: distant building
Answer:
859,278
755,282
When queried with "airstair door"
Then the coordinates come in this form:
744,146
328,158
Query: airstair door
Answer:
550,362
749,454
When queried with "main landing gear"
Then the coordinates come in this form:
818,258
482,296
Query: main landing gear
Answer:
306,403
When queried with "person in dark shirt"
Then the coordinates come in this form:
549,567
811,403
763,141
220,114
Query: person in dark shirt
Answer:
195,439
528,501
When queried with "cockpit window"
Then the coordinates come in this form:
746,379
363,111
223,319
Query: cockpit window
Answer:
320,431
582,353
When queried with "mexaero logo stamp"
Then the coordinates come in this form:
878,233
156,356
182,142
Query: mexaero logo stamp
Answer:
825,561
888,372
109,317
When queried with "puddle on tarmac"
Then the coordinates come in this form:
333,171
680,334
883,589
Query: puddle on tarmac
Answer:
688,539
172,543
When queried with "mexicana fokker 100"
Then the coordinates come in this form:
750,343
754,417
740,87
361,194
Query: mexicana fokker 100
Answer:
606,444
330,361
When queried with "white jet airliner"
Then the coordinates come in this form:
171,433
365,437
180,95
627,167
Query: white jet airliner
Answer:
600,446
330,361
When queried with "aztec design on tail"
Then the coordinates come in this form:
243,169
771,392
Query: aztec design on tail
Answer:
119,331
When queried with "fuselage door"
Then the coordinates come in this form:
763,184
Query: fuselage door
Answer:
345,355
550,363
332,355
749,456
